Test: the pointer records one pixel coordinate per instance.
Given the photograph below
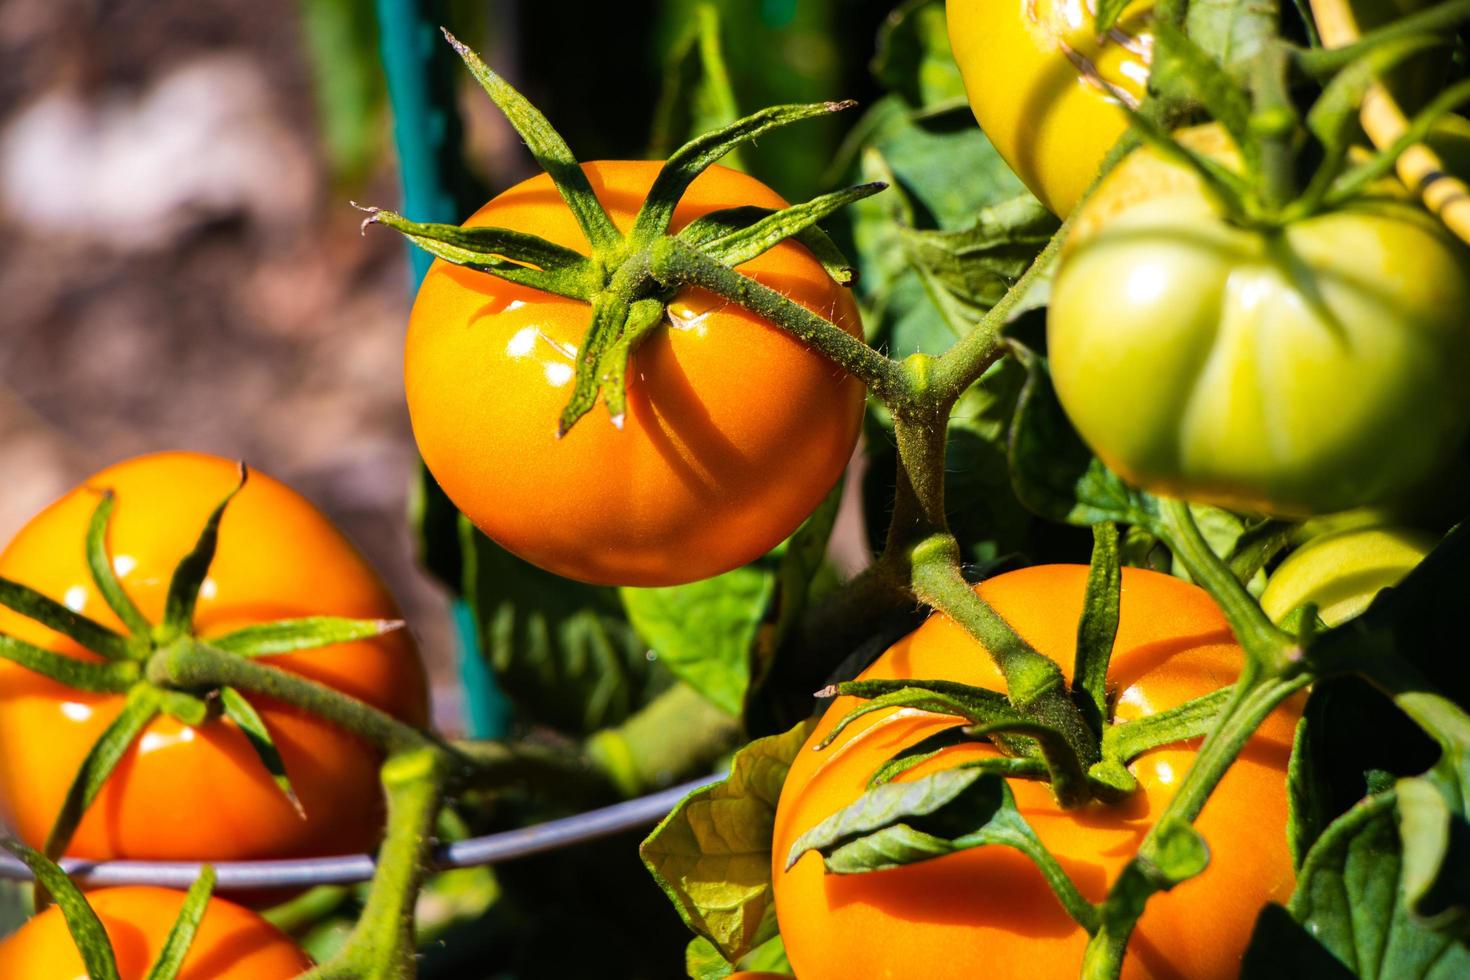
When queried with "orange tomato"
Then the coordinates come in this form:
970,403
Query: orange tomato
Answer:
201,793
988,912
734,430
232,943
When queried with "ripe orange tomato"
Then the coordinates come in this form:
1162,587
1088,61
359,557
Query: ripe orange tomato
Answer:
232,943
734,430
1045,87
201,793
987,912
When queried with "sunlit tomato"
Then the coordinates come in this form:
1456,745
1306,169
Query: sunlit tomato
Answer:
201,793
1045,87
232,943
1342,572
987,912
734,430
1295,371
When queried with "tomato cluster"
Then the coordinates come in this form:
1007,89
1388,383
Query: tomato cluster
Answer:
1280,361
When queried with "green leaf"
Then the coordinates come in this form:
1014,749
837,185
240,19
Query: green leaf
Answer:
1436,858
943,175
1052,471
901,823
510,255
914,58
1107,14
243,714
704,631
548,148
170,960
697,95
81,675
696,156
188,577
704,961
53,615
712,854
1232,32
85,928
1348,897
561,650
1182,69
307,633
1098,626
100,564
101,759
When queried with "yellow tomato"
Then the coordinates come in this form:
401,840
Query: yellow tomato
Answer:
1045,87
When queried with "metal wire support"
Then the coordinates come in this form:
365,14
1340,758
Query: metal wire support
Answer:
345,869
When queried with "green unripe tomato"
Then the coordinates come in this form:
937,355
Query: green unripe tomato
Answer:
1297,371
1341,572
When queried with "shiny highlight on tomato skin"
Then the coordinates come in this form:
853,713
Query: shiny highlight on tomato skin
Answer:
196,793
734,430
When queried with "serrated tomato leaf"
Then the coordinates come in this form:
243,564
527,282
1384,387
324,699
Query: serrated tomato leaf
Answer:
712,854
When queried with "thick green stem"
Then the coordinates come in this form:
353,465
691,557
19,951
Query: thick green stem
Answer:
1034,682
963,364
189,665
1262,640
1255,696
1274,125
381,945
675,264
1324,62
679,732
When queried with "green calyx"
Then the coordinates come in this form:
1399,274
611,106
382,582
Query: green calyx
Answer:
1252,102
148,663
629,278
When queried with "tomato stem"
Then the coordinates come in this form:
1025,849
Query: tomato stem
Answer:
1262,640
673,264
1034,682
381,945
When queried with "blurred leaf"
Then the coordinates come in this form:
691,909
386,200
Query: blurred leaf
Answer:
435,521
702,961
347,81
697,95
15,906
1232,32
712,854
704,631
1436,872
1053,472
913,56
562,650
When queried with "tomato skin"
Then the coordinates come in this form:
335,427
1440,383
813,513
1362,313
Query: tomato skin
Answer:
1299,372
1343,571
232,943
987,912
1045,88
186,793
734,430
